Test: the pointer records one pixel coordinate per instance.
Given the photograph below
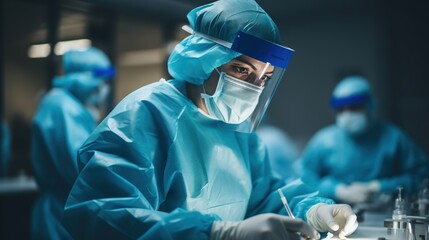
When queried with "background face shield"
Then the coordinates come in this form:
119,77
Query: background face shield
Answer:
272,54
106,73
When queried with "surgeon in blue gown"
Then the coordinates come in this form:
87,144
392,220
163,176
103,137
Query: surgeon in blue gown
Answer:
178,159
361,155
63,121
5,149
282,151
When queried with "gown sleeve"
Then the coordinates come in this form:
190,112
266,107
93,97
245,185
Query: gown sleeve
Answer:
60,128
313,170
265,198
119,190
411,165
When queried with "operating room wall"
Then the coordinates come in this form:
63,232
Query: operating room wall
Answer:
24,78
408,58
140,55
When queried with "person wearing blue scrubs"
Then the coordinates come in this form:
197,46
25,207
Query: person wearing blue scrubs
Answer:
5,149
282,151
361,155
62,123
178,159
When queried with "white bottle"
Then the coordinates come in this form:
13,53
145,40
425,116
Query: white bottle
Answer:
423,199
399,211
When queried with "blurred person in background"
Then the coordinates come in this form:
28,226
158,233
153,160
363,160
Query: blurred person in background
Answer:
282,151
5,149
361,155
178,159
66,116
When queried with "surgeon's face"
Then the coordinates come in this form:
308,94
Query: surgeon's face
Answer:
248,69
353,108
353,119
243,67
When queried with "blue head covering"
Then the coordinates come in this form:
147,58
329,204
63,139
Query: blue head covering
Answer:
195,58
352,90
84,71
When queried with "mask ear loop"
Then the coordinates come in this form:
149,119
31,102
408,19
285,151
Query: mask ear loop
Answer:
203,86
217,70
204,89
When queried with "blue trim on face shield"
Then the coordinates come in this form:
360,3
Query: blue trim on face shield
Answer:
350,100
255,47
262,50
108,72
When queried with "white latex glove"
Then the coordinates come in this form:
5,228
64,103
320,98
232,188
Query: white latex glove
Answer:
338,219
264,226
374,186
353,193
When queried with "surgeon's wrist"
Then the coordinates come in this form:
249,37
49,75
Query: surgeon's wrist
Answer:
340,191
222,229
312,218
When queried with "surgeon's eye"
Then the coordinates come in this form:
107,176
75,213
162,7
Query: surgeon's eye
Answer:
266,78
263,80
242,71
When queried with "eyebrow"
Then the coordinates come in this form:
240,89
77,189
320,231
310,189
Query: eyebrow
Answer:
246,62
251,65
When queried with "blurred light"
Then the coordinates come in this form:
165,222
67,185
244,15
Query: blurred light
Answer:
43,50
170,46
39,50
147,57
143,57
64,46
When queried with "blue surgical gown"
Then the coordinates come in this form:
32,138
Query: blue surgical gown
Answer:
5,149
382,153
282,151
60,126
158,168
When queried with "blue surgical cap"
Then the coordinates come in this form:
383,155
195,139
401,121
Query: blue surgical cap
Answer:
85,60
352,90
84,71
195,58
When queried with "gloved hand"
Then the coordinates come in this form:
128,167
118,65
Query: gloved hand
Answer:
338,219
353,193
374,186
263,226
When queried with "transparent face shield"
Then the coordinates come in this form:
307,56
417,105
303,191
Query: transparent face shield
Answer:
263,64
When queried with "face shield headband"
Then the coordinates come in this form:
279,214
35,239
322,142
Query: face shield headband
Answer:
338,102
271,54
108,72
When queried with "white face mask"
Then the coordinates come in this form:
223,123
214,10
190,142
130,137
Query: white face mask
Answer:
233,101
99,97
352,122
95,112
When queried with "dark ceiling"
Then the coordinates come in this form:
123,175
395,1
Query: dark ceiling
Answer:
176,10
